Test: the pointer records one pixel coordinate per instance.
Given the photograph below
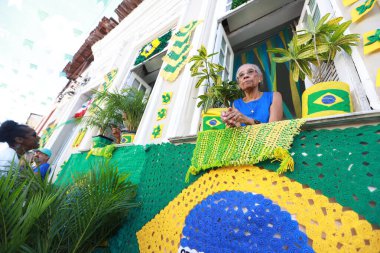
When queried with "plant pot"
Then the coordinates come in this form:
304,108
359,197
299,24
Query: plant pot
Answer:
326,99
100,141
127,136
211,120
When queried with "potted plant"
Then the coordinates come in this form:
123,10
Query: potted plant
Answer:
218,93
129,106
309,53
102,117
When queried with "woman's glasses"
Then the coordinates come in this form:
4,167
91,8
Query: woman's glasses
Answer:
249,72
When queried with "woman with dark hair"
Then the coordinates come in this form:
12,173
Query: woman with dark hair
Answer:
256,107
20,139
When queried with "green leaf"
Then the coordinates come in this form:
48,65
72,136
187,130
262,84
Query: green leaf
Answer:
304,38
200,81
281,59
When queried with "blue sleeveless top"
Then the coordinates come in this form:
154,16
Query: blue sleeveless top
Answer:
256,109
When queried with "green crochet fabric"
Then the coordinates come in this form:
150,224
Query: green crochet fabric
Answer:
245,146
341,164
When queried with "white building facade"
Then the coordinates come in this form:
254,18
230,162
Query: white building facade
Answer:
236,34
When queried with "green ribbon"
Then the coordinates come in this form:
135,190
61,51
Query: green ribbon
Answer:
373,38
362,8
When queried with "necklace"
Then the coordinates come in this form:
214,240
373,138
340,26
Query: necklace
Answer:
253,103
252,106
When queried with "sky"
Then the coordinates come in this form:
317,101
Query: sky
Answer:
37,40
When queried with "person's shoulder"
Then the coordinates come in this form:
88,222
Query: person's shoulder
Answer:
238,101
45,165
7,153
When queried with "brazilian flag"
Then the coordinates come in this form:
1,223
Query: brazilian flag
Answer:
325,99
127,137
212,120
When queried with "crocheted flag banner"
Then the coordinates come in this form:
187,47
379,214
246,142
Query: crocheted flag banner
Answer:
245,146
177,56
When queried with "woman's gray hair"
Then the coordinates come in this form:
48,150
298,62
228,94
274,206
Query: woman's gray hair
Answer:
254,66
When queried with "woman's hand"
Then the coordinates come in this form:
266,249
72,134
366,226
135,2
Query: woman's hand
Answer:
234,118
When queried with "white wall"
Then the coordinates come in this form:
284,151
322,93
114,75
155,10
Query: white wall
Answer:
367,65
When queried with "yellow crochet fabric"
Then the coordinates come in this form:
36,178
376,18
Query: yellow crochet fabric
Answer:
104,151
329,226
245,146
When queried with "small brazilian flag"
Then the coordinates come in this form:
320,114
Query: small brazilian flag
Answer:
127,137
325,99
212,120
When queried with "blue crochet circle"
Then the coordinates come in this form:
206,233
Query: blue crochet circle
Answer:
328,99
233,221
213,122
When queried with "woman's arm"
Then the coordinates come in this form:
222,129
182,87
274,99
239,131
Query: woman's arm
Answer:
275,109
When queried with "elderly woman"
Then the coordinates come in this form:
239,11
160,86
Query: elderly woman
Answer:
20,139
256,107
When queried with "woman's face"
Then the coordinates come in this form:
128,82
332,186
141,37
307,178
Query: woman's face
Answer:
248,78
30,140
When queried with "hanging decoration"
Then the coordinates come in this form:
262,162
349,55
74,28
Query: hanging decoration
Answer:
245,146
46,134
371,41
28,43
349,2
161,114
177,55
166,97
78,139
157,132
360,11
153,47
109,78
82,111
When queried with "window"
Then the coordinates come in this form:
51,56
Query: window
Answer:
137,82
225,54
312,9
228,5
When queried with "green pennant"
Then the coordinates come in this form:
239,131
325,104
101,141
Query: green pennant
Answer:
28,43
42,15
77,32
68,57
